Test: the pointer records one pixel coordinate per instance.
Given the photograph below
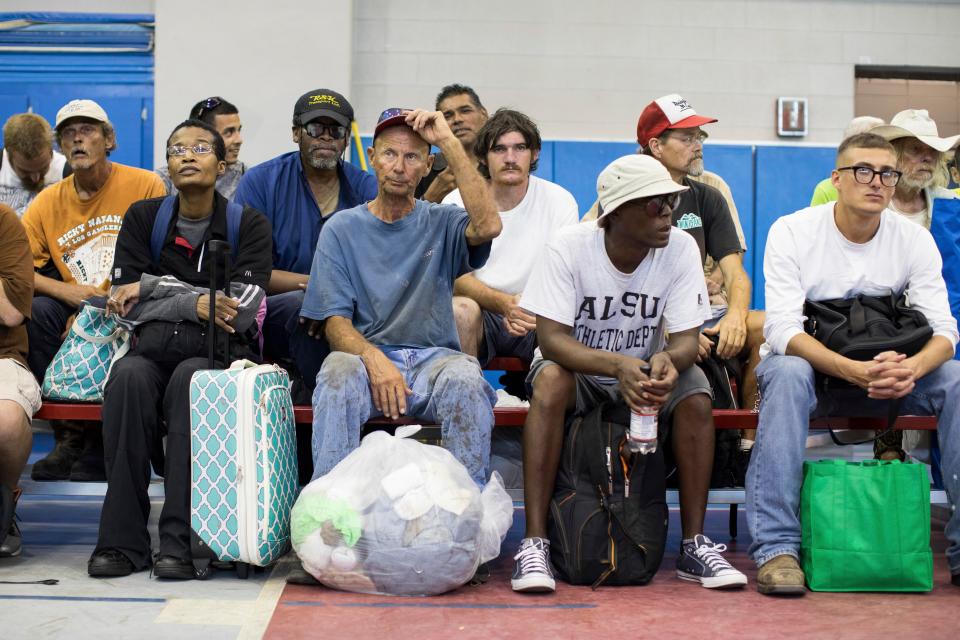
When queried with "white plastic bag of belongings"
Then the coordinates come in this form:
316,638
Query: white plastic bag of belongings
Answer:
399,517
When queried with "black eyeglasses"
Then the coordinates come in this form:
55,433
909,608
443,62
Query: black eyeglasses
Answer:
317,129
656,205
865,175
207,105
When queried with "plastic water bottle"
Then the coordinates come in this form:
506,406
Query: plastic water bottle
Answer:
642,437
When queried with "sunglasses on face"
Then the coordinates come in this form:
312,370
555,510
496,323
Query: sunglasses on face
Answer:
317,129
655,206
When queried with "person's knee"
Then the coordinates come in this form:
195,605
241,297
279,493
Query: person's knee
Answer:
755,320
14,424
128,375
341,374
553,386
467,314
697,407
782,370
460,375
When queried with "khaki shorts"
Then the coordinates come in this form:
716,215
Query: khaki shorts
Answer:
19,385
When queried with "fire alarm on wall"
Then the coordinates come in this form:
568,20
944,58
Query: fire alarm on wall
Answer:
791,117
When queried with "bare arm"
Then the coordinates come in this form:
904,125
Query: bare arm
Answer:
733,326
485,224
488,298
10,316
284,281
66,292
387,385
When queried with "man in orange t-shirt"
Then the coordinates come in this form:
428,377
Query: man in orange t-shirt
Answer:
72,227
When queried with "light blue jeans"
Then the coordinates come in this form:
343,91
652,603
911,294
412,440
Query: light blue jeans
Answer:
447,385
776,466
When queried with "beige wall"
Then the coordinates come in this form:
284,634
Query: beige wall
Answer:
586,69
272,53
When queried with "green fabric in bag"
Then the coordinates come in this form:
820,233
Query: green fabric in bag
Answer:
866,526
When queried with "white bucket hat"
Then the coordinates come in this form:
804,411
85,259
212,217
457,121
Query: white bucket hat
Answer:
632,177
916,123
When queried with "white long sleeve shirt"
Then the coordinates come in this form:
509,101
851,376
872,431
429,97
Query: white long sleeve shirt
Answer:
807,258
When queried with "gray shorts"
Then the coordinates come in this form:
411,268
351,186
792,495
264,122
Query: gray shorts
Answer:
498,343
591,391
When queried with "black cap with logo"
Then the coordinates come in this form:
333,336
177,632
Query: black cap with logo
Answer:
319,103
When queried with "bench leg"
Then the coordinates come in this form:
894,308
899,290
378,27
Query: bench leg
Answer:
733,521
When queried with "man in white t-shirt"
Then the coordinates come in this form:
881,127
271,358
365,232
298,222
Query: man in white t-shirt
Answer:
603,294
489,319
28,162
838,250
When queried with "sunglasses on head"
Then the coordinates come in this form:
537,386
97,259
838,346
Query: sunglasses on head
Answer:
207,105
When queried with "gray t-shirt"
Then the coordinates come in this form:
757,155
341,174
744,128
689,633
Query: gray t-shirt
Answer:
394,281
193,230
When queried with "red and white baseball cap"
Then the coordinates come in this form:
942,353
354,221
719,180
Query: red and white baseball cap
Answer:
667,112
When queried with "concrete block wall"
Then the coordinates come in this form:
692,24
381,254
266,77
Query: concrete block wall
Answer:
584,70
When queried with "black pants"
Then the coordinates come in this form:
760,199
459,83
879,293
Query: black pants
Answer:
48,320
144,401
284,339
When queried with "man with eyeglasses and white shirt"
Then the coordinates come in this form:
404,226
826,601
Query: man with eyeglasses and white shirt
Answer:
298,192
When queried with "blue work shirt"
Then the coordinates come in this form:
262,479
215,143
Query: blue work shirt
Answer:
394,281
279,190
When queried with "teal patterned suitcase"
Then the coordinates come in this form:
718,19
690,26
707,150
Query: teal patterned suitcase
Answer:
244,465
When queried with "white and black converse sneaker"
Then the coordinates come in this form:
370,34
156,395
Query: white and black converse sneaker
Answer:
531,572
700,561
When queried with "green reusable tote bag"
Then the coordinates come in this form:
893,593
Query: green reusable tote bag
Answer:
866,526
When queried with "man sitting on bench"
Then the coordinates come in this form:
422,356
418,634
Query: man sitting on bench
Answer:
838,250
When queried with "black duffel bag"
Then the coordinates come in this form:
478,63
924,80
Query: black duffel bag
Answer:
861,327
603,529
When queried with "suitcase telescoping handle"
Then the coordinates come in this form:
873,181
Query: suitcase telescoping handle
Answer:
219,252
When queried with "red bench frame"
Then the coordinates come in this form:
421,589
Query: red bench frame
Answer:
516,416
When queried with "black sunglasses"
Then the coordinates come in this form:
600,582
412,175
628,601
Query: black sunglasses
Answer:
207,105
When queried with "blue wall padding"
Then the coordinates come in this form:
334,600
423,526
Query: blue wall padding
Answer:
784,182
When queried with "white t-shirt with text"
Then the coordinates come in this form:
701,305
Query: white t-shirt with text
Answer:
577,285
526,228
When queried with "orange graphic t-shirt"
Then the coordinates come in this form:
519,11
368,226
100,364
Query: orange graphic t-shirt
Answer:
79,236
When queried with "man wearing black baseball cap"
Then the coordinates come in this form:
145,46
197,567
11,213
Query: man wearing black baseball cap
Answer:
298,192
381,288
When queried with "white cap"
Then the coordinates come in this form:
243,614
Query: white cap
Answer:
81,109
632,177
916,123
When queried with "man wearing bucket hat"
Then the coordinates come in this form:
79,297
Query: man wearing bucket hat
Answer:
73,227
920,151
298,192
650,275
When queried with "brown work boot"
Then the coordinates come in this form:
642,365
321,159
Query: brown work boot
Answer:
781,576
66,450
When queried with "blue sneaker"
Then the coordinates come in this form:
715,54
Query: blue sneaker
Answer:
700,561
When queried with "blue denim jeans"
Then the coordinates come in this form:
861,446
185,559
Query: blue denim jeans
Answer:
447,385
776,466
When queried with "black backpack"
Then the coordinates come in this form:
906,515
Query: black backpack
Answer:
602,532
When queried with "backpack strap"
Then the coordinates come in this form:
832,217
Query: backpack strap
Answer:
162,222
160,225
598,451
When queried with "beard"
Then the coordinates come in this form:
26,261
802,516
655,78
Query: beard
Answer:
315,160
695,168
918,179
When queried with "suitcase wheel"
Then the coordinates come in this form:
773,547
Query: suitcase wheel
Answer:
202,572
243,570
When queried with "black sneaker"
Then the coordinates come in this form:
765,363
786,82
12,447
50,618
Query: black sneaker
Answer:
531,571
11,540
66,450
90,466
173,568
955,579
700,561
109,563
